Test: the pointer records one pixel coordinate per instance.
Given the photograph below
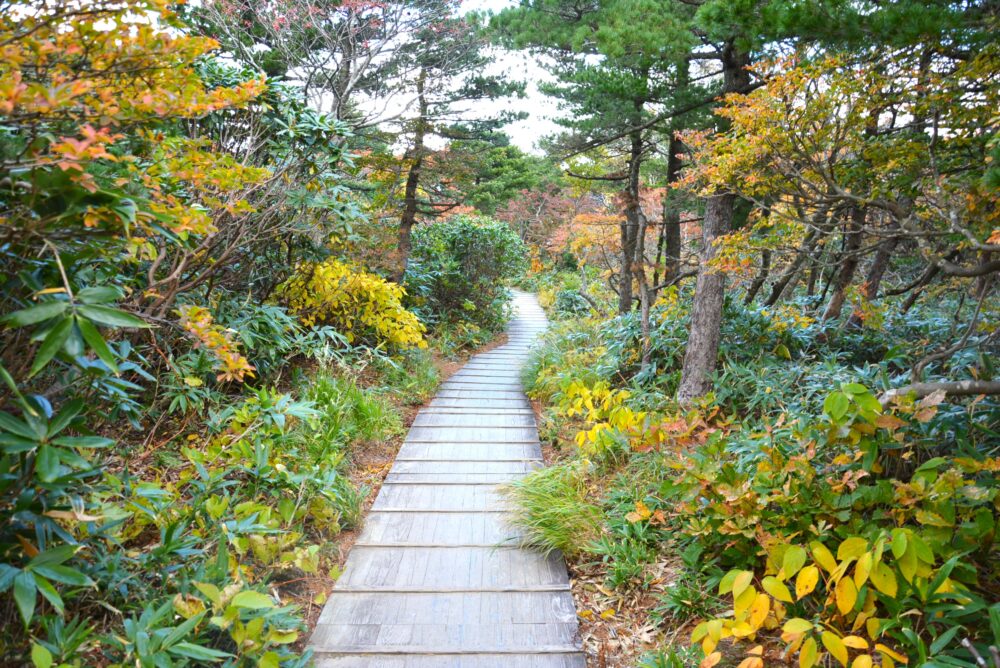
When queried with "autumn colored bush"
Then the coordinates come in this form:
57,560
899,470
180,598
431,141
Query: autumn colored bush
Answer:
820,514
361,305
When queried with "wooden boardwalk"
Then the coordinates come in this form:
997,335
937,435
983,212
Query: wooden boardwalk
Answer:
436,578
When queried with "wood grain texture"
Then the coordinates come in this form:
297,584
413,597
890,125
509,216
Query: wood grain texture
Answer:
437,578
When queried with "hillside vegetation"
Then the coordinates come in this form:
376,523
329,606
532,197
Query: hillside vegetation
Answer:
241,241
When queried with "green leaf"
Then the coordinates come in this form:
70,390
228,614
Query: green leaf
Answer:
836,405
49,592
101,294
40,656
181,631
47,463
24,595
853,388
942,640
7,575
97,343
34,314
65,416
14,444
197,652
65,575
11,424
83,441
53,556
50,346
252,600
111,317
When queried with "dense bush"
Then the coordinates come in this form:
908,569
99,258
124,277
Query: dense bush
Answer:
363,306
819,515
460,270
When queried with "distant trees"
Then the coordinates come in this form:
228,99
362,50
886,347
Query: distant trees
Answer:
849,144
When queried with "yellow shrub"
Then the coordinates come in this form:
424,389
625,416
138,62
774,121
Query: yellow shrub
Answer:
359,304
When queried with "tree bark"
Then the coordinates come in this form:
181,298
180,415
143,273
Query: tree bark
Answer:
848,265
701,355
410,200
629,227
668,247
765,268
875,273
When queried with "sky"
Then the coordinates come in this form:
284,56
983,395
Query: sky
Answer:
520,67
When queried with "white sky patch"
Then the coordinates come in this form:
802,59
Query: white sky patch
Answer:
520,66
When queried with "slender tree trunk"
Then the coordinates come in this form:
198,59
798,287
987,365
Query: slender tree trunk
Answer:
410,200
848,265
701,355
668,248
803,253
629,227
765,268
647,294
876,272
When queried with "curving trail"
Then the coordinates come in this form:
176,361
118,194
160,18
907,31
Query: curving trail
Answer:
436,577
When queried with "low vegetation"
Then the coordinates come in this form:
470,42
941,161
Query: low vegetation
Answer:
825,514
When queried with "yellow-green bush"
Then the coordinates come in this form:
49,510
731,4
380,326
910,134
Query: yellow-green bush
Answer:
361,305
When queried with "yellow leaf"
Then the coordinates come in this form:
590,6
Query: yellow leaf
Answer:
823,556
862,569
795,558
885,651
608,614
855,642
797,625
884,579
742,603
758,611
777,589
862,661
847,595
835,646
710,660
188,606
872,627
807,657
852,548
752,662
742,581
806,581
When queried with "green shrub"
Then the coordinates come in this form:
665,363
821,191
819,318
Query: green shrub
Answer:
552,508
460,268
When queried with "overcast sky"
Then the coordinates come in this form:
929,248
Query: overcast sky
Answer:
521,67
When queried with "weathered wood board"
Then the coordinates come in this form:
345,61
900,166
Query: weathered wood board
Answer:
437,578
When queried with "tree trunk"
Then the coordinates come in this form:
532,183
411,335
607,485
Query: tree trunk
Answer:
765,267
803,253
848,265
875,273
410,201
701,355
629,227
668,247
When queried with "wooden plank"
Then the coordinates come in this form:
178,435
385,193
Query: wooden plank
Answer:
466,567
428,419
437,577
439,528
527,660
450,608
